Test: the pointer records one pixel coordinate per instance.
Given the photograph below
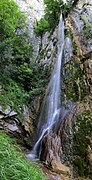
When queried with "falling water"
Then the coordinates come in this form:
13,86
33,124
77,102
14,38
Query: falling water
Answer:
51,104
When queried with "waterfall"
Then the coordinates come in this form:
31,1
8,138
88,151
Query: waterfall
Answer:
51,104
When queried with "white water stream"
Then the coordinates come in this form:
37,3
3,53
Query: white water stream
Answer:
51,104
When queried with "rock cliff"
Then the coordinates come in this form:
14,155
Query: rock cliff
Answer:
77,87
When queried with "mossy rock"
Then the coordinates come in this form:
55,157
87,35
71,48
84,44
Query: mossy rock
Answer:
82,133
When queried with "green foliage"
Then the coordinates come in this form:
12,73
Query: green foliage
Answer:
50,19
41,26
73,42
10,18
38,81
27,84
13,166
52,12
53,9
15,53
11,94
81,135
15,66
14,48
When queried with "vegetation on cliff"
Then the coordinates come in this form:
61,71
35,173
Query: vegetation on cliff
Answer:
82,137
53,9
15,52
20,78
50,19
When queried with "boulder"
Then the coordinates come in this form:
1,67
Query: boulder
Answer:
60,168
8,113
12,113
50,175
51,148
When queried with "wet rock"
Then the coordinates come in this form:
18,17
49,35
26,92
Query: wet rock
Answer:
88,72
37,103
51,148
68,50
60,168
66,134
28,120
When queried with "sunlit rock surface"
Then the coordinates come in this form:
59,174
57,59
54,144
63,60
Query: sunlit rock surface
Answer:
80,23
34,10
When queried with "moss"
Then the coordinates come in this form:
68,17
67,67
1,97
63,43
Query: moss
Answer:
75,88
87,30
79,166
83,130
68,33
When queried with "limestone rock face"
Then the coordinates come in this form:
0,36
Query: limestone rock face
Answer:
28,119
80,22
33,10
78,67
48,50
45,47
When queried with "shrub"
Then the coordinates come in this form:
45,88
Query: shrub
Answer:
50,19
14,48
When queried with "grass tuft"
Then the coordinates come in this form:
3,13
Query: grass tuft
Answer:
13,166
